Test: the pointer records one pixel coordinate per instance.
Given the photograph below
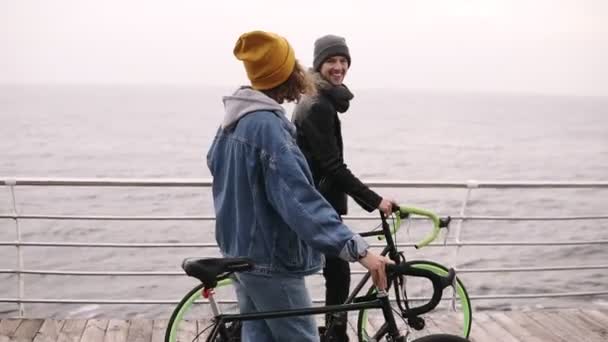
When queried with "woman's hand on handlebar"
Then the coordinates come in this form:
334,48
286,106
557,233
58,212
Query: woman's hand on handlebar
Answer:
376,265
386,206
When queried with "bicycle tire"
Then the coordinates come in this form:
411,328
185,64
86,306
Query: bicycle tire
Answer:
185,306
366,331
441,338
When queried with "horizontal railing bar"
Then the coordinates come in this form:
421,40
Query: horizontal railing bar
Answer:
352,218
518,269
540,295
109,217
213,245
110,245
519,243
191,182
165,301
532,218
181,273
95,273
530,269
152,182
88,301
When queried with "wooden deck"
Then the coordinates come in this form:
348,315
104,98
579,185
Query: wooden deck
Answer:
531,326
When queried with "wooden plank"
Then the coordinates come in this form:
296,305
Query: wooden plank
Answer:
158,330
433,324
532,327
375,320
560,333
599,316
351,326
204,324
597,330
584,315
9,326
49,331
94,331
28,329
595,327
493,328
72,330
515,328
479,334
448,323
117,331
140,330
186,332
535,326
567,320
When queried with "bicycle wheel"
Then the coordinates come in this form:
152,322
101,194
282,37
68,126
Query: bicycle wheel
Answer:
191,318
441,338
440,320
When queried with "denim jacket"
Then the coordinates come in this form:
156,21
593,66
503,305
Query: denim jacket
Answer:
266,205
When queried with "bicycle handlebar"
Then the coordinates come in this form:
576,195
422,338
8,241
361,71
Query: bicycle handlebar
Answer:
438,223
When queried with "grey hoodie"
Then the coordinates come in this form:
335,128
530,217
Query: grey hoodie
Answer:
246,100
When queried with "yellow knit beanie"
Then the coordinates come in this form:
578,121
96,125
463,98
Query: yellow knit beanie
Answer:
269,59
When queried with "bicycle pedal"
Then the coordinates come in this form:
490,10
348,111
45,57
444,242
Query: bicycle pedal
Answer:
416,323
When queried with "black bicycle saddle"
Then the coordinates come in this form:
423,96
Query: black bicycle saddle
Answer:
207,270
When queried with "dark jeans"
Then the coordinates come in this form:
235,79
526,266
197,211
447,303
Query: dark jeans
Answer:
337,286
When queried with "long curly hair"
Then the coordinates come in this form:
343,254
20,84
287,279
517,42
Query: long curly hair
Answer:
299,83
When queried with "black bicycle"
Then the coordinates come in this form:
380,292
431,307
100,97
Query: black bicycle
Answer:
377,309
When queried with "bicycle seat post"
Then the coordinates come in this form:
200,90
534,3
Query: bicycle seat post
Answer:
210,295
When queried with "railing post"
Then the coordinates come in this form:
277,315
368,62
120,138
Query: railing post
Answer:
471,184
20,281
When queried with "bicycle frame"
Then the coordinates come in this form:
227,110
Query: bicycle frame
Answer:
378,300
394,254
381,301
390,249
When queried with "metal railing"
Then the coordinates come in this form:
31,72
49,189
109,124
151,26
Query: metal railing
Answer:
461,218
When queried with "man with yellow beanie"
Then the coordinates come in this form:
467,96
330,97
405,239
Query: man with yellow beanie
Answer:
266,205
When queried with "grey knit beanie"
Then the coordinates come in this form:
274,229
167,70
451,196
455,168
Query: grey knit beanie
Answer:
328,46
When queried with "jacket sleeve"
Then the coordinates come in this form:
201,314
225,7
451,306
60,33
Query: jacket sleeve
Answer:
291,193
318,128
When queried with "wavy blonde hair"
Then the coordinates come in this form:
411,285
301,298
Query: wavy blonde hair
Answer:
299,83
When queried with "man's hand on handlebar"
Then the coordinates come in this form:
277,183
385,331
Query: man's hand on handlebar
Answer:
386,206
376,265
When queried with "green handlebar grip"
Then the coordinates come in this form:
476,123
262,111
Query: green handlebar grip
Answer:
421,212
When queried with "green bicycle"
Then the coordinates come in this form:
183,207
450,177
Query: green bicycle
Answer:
377,310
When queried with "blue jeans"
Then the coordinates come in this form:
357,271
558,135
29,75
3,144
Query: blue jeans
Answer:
263,293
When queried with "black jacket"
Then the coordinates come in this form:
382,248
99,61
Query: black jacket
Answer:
319,136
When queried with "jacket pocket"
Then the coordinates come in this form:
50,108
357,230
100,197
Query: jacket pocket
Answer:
291,253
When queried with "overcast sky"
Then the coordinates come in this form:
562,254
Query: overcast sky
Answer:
542,46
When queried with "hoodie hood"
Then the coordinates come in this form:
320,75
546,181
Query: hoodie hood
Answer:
246,100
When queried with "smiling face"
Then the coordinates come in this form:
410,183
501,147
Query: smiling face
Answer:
334,69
